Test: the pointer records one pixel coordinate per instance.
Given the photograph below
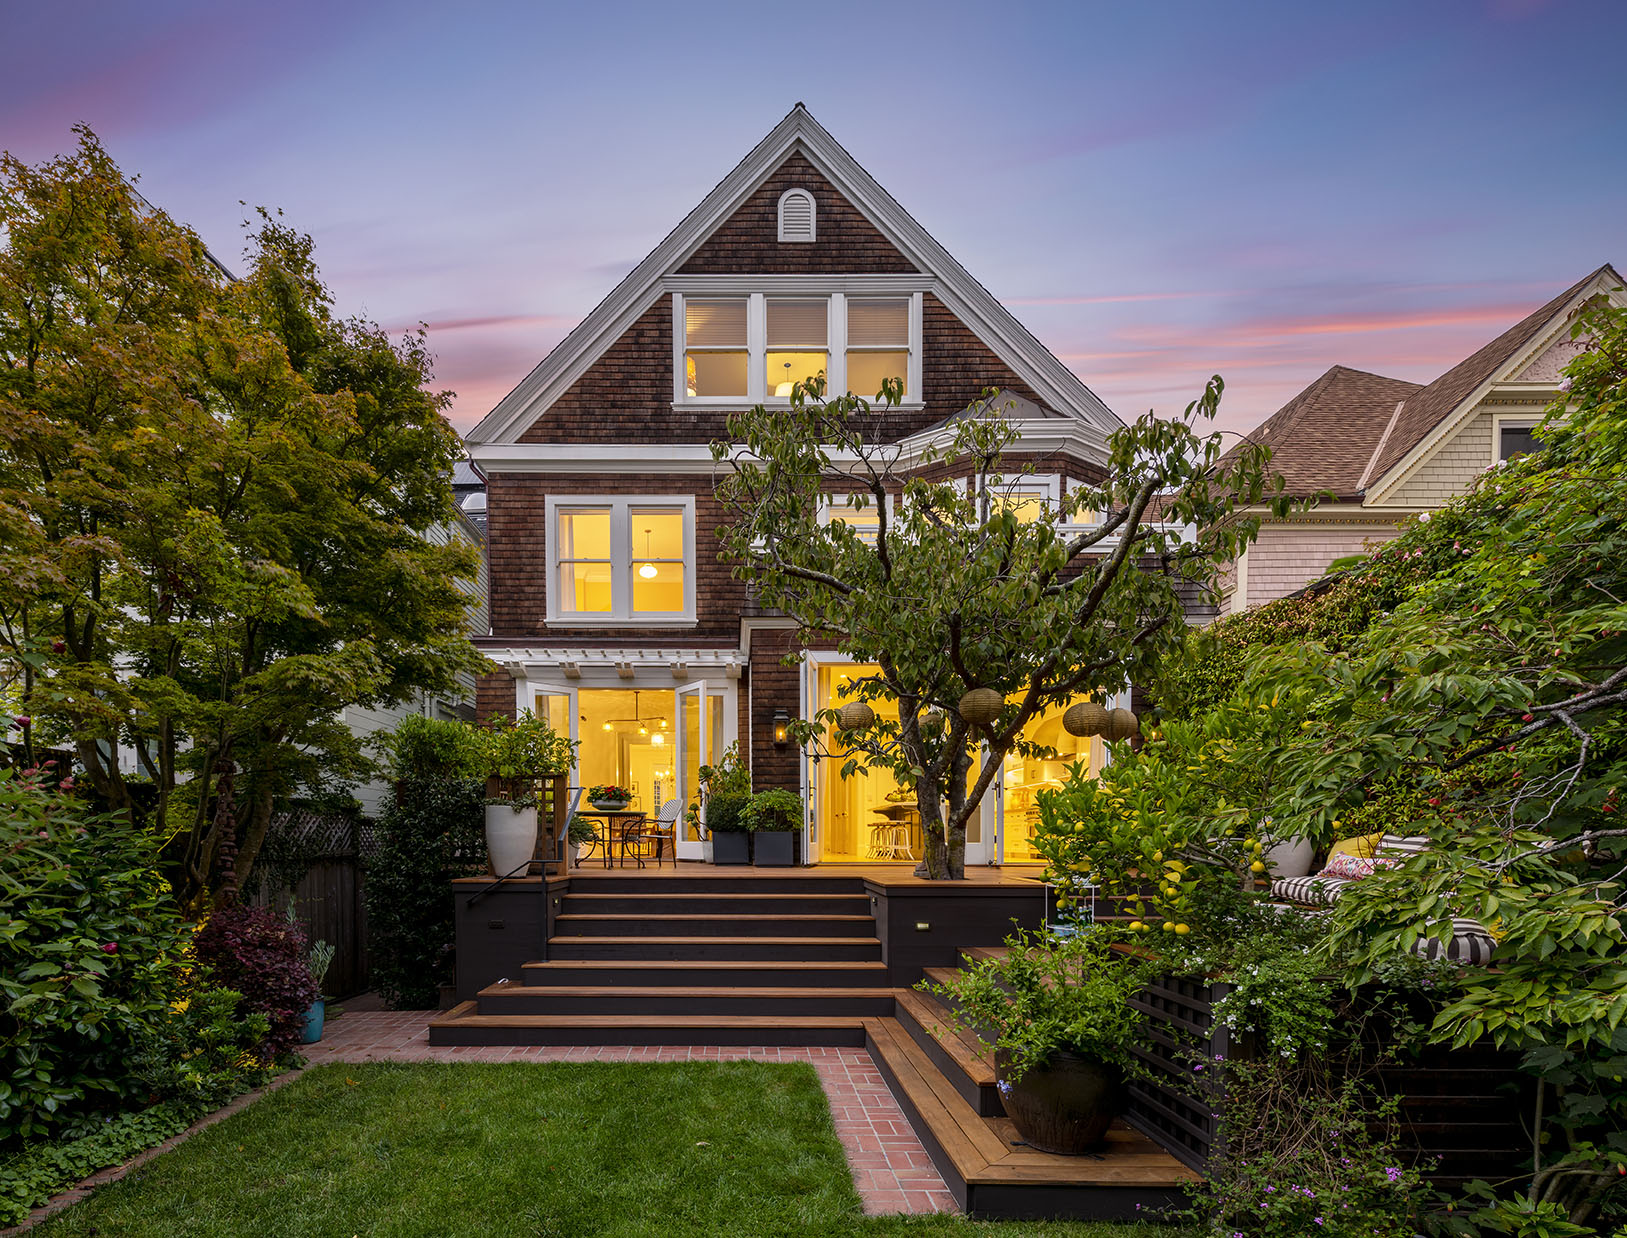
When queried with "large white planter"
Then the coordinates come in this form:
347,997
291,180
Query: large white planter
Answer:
1290,858
511,837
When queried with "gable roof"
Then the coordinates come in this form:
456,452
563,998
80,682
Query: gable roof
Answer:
1440,399
797,133
1324,438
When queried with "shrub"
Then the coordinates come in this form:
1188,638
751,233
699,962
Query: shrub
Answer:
421,747
774,809
91,952
525,747
432,832
207,1051
264,957
726,813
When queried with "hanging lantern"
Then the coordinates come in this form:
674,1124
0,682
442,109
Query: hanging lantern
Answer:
1086,718
855,716
932,720
1122,724
981,706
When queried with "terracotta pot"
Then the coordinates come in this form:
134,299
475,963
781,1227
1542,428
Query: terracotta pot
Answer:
1064,1104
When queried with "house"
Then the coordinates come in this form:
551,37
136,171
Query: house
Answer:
1380,451
610,612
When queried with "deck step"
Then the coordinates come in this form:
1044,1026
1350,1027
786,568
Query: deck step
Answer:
745,880
683,1000
726,904
463,1026
992,1175
956,1054
741,949
767,973
712,924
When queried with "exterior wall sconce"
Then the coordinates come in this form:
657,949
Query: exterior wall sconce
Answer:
782,728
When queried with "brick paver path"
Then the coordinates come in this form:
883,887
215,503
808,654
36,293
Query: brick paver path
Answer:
890,1167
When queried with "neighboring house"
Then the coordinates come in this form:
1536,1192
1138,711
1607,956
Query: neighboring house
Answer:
610,611
364,722
1386,450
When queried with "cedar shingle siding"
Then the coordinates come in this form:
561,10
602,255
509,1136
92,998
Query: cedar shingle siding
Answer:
1451,468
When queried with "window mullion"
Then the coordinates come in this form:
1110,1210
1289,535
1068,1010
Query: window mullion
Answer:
757,348
912,380
621,559
836,365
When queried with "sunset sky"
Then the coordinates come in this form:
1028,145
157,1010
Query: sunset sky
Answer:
1159,190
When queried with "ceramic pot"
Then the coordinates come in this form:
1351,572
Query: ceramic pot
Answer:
1064,1104
313,1023
610,805
1291,858
511,837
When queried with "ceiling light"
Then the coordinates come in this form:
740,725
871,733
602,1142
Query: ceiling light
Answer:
647,571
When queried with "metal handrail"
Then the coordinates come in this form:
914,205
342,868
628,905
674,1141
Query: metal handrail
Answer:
559,844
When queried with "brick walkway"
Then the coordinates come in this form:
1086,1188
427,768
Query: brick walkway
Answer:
890,1167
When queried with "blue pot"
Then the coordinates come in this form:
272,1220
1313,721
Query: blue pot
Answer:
313,1023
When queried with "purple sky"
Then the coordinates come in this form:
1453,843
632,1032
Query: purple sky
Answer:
1159,191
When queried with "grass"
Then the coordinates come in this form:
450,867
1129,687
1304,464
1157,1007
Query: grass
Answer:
563,1150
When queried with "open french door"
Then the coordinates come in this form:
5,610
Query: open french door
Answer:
697,729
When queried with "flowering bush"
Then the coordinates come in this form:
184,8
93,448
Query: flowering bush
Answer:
609,791
262,956
91,953
207,1051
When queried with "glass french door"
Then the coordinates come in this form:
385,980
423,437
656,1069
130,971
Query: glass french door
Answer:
698,715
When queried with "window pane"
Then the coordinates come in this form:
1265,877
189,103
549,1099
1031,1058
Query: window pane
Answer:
716,374
1517,441
878,324
584,534
587,588
1026,504
657,533
661,591
867,523
866,370
786,369
797,324
715,324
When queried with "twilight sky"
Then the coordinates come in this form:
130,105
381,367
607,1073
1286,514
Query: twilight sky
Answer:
1159,190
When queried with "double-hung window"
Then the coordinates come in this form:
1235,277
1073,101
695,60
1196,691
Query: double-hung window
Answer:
621,560
736,351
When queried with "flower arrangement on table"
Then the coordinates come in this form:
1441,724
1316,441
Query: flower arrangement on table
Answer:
609,797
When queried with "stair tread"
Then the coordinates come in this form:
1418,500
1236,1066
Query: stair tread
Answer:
689,941
702,965
721,896
681,990
641,1020
962,1047
981,1148
687,917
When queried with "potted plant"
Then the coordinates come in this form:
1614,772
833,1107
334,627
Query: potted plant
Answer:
728,779
514,754
609,797
320,959
726,822
773,817
1057,1014
579,833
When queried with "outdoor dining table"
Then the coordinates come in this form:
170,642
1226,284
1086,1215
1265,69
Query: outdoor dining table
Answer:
620,825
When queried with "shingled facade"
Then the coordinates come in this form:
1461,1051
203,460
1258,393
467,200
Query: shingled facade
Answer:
611,613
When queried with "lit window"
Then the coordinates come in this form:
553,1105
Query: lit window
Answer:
878,344
715,349
798,335
864,521
1029,498
619,560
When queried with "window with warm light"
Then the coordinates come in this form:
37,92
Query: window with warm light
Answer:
622,560
743,350
864,521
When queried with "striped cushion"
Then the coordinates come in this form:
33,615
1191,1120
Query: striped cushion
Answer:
1470,944
1314,890
1403,844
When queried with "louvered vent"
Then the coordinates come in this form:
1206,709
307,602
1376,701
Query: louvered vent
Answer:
796,215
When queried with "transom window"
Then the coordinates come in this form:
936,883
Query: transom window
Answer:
756,348
621,560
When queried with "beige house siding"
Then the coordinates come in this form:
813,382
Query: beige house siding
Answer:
1289,556
1450,469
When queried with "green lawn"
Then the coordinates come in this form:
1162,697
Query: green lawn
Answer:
563,1150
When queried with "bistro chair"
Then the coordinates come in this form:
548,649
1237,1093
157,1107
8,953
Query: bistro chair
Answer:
659,833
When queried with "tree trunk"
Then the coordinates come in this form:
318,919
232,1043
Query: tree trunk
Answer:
252,829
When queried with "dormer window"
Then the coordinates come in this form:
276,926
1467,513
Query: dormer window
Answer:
797,217
736,351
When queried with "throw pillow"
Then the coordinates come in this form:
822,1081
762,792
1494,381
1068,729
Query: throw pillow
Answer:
1355,867
1366,845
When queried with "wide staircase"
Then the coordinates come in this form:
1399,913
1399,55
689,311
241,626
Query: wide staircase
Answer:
796,960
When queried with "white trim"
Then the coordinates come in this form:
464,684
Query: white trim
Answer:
968,300
798,238
1240,586
622,557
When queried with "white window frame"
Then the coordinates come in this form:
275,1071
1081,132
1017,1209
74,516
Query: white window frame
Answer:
1510,421
622,561
813,217
757,390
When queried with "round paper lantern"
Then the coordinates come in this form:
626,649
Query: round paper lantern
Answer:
1122,724
855,716
1086,718
932,720
981,706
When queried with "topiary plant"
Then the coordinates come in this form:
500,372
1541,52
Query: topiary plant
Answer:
265,958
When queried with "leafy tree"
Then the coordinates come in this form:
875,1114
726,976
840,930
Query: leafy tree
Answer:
214,496
956,592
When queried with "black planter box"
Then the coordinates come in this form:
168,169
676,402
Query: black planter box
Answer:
731,848
773,848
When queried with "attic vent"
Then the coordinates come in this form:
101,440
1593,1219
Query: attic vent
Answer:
796,215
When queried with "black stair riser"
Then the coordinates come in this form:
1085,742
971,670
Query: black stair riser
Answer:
588,881
719,1034
984,1100
576,926
878,1005
708,905
655,974
742,949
